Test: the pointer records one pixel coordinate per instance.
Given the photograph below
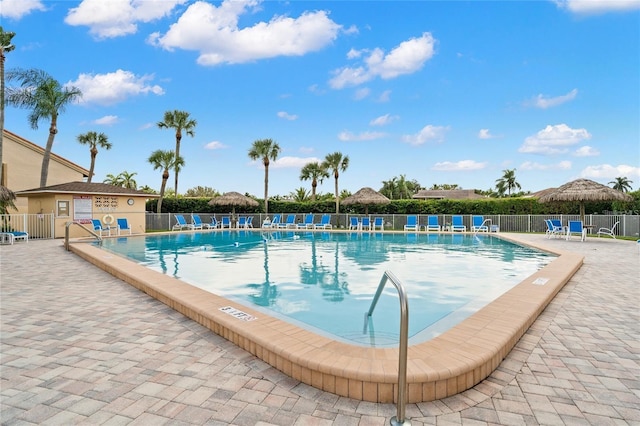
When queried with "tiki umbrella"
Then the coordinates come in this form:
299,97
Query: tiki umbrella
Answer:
584,190
367,197
233,199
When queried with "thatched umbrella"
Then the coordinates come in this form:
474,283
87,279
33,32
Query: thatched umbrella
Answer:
6,194
233,199
583,190
367,197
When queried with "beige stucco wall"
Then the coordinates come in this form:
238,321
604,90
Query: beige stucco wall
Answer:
22,165
116,207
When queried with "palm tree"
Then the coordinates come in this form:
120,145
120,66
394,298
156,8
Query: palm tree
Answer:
111,179
622,184
336,162
165,160
94,140
299,195
315,172
5,46
180,121
265,149
507,181
127,180
47,99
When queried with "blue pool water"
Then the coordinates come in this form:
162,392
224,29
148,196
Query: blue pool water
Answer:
326,281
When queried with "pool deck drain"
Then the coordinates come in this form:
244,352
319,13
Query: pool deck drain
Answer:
79,345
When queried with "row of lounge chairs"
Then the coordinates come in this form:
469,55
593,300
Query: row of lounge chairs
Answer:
557,230
122,227
478,224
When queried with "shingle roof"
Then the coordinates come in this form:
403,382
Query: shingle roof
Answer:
86,188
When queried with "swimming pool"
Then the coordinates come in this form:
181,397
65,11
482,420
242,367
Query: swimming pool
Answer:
325,281
446,365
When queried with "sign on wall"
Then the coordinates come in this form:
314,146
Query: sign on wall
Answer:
82,212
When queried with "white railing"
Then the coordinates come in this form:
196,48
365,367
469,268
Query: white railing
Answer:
38,226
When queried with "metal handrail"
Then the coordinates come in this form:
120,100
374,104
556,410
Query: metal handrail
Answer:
66,233
399,419
482,224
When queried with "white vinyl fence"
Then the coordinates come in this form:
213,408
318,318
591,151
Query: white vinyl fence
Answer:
38,226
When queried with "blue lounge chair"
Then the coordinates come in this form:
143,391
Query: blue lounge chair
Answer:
289,223
123,225
181,223
354,223
457,225
99,229
575,227
308,222
432,224
19,235
412,224
325,222
365,224
214,223
271,223
242,222
553,229
226,222
198,223
249,222
477,224
378,224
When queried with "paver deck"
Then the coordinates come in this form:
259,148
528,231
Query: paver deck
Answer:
79,346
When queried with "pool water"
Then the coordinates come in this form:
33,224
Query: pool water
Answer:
325,281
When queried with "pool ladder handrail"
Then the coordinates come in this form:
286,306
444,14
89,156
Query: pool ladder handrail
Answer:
399,419
481,225
66,233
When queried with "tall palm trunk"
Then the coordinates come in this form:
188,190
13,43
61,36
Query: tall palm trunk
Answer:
178,139
337,195
53,129
94,153
266,187
165,178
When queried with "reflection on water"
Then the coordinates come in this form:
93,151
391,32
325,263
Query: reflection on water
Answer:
327,280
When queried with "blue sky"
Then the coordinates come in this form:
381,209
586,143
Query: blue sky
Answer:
442,92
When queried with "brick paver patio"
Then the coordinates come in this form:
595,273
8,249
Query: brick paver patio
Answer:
79,346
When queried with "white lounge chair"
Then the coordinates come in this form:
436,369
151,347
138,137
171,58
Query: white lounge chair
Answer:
432,224
457,224
609,231
412,223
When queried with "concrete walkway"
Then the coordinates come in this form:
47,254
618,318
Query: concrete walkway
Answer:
81,347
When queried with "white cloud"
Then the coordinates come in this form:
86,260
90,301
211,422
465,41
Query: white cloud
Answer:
544,102
16,9
353,54
611,172
292,162
347,136
213,145
553,140
385,96
111,88
598,6
586,151
361,93
116,18
383,120
427,134
485,134
107,120
406,58
464,165
287,116
562,165
215,34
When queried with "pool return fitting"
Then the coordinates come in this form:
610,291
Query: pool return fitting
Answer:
399,419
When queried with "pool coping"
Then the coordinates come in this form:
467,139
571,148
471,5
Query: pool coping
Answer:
443,366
